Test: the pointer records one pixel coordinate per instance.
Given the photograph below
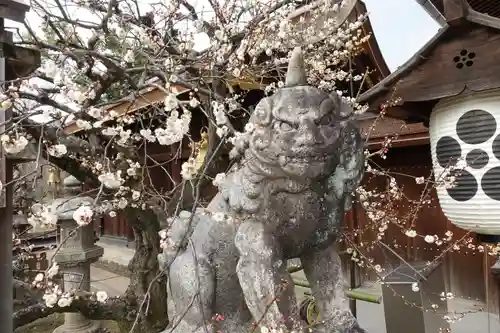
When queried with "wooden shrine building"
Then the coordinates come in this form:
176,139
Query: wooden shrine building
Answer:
460,61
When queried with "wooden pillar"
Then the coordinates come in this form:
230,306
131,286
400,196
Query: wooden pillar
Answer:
352,264
495,270
6,293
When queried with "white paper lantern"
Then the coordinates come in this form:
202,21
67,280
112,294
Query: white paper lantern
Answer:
466,128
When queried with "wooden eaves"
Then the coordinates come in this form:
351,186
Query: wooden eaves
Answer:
431,74
489,7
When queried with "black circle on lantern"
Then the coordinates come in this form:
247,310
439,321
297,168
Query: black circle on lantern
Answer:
477,158
496,147
465,187
448,151
490,183
476,126
491,239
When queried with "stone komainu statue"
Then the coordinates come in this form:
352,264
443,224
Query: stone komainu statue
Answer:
285,199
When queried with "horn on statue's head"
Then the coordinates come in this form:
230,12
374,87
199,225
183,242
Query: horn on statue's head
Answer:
296,73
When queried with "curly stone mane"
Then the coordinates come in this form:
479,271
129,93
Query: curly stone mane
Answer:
313,127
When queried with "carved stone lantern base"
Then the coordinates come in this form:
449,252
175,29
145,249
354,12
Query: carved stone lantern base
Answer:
77,323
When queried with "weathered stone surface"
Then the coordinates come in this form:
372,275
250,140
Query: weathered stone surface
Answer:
286,199
77,251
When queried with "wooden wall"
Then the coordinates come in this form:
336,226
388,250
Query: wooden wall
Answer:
465,269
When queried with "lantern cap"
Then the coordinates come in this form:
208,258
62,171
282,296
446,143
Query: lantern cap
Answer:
13,10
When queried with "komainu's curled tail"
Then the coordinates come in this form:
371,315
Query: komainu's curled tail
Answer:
176,236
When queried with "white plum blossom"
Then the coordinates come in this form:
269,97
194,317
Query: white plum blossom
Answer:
39,277
415,287
44,216
176,127
50,299
429,239
111,180
132,172
222,131
249,128
193,102
79,97
411,233
129,56
148,135
162,233
13,145
83,215
136,195
53,270
220,35
189,169
95,112
58,150
122,203
101,296
112,131
5,102
448,295
65,301
83,124
124,136
219,113
171,102
419,180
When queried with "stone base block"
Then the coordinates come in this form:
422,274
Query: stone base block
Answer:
80,326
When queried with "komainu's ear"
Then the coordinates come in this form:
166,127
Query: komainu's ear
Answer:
344,110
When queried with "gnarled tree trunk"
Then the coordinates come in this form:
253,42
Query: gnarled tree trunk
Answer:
147,285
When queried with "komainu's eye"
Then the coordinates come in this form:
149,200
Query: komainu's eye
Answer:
282,126
326,120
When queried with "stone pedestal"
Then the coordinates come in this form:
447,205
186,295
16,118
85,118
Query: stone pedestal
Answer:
77,253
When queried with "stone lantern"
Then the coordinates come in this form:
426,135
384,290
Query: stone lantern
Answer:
76,254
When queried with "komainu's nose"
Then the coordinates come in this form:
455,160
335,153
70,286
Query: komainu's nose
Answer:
308,134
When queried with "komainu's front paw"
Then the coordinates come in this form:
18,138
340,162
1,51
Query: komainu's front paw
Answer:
355,329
